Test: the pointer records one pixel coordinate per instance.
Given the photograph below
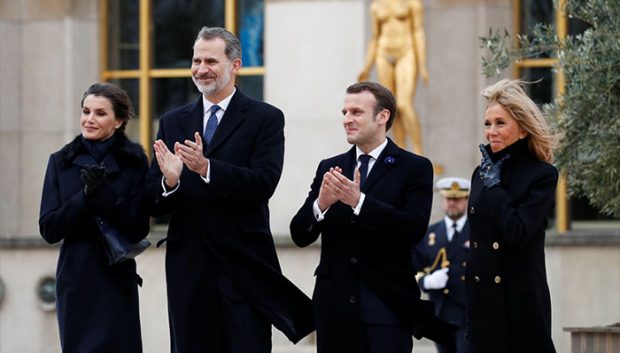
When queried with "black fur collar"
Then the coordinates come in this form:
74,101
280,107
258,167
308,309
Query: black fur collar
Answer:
123,150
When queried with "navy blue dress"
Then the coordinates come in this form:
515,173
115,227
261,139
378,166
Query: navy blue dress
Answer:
97,304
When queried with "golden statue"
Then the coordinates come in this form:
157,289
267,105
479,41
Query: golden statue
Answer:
398,49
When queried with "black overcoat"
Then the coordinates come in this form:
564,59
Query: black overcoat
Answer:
219,239
374,247
97,304
509,304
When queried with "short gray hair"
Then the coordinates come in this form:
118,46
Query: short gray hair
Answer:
233,46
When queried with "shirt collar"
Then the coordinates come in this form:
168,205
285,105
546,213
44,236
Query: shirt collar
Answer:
460,223
374,153
223,104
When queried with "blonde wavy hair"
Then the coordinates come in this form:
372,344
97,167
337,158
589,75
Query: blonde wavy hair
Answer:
511,95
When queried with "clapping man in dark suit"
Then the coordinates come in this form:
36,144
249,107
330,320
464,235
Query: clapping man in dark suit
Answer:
441,260
370,206
218,161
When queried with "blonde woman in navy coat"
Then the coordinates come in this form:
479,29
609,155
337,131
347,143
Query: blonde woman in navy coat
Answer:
97,303
512,192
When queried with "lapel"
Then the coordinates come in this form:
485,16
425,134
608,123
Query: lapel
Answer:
442,236
387,159
348,164
234,115
193,121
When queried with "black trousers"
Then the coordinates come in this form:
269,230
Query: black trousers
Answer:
458,345
383,338
246,330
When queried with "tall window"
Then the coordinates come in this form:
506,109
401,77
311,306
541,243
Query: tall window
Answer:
550,84
146,48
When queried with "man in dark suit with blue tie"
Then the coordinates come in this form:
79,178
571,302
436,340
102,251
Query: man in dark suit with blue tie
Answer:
441,259
370,206
218,161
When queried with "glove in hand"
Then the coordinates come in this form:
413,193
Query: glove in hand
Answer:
490,172
437,279
93,177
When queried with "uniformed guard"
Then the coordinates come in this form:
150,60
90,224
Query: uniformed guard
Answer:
441,258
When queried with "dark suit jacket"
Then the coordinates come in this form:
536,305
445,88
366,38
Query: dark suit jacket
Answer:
373,248
450,301
97,304
509,307
219,238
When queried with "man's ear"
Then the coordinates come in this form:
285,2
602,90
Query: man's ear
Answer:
236,65
383,116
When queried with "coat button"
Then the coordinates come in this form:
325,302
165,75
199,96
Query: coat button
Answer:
475,245
352,299
464,263
495,245
498,279
463,278
446,291
476,279
472,210
353,260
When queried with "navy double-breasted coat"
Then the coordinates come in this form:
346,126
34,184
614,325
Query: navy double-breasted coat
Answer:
449,301
509,303
97,304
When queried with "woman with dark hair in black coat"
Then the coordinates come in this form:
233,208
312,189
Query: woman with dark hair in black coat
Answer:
512,192
99,174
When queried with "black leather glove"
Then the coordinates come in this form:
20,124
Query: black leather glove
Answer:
93,177
490,172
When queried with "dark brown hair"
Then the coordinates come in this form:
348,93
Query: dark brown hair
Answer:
385,99
123,109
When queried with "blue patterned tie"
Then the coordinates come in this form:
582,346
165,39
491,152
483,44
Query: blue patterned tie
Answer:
364,158
211,124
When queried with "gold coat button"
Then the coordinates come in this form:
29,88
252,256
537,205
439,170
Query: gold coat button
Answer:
463,278
464,263
446,291
495,245
476,279
498,279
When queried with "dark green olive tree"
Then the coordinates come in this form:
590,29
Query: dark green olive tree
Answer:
587,116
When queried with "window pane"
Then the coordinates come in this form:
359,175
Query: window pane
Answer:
576,26
251,86
541,89
123,35
582,210
131,86
175,26
169,94
251,24
536,11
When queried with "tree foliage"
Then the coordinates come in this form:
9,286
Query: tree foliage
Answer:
587,116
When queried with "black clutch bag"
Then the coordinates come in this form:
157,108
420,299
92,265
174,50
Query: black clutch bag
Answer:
118,247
